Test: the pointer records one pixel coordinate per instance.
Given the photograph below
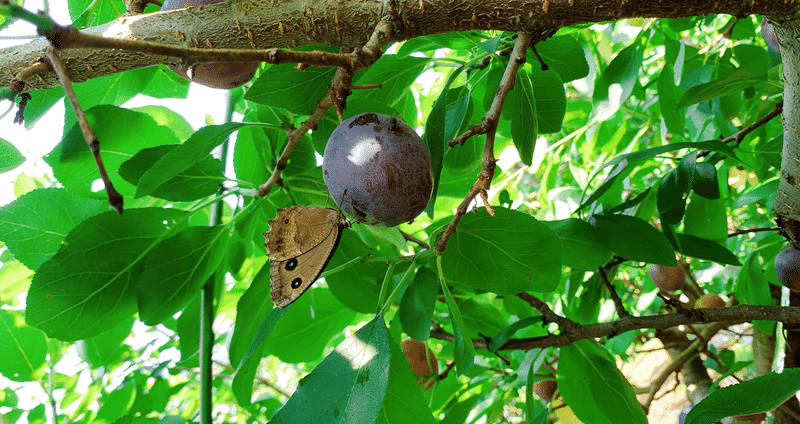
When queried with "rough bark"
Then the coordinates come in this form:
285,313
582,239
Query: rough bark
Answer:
279,23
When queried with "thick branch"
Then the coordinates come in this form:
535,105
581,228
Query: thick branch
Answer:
731,315
256,24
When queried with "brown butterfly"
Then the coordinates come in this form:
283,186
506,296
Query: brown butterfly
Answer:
300,242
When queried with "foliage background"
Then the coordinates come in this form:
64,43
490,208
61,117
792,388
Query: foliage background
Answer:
613,152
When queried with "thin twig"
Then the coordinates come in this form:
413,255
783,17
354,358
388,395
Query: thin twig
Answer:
613,293
365,56
735,233
115,199
488,126
413,239
549,316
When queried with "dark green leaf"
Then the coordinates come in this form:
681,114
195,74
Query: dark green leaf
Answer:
404,402
704,181
311,322
200,180
773,389
580,249
350,384
616,83
594,388
701,248
395,74
508,253
752,288
194,150
464,350
507,333
706,218
633,239
564,55
551,99
524,123
735,82
418,303
106,348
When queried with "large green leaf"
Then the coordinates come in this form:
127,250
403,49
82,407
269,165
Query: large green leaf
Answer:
417,305
735,82
176,269
73,164
404,402
200,180
580,248
284,86
564,55
311,322
89,286
594,388
616,83
35,237
633,239
760,394
508,253
24,348
464,350
394,73
350,384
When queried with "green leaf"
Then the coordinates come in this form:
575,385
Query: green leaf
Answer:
564,55
773,389
404,402
349,385
284,86
417,305
616,83
195,149
507,333
311,322
89,286
705,182
456,40
87,13
752,288
706,218
668,95
24,348
200,180
116,404
551,99
256,317
508,253
34,225
108,347
176,268
594,388
72,161
395,74
580,248
735,82
524,123
633,239
435,140
10,157
701,248
464,350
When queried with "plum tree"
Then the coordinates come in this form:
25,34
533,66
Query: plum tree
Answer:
378,170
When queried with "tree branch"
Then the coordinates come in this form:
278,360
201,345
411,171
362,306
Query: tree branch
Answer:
730,316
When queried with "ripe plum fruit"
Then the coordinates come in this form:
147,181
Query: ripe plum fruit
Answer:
787,266
667,278
378,170
224,75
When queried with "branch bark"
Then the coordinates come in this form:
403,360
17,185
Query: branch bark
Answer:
261,24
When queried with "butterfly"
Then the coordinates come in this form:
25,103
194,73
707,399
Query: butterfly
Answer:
300,242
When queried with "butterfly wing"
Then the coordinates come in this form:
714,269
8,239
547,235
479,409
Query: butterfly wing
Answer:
291,277
298,229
